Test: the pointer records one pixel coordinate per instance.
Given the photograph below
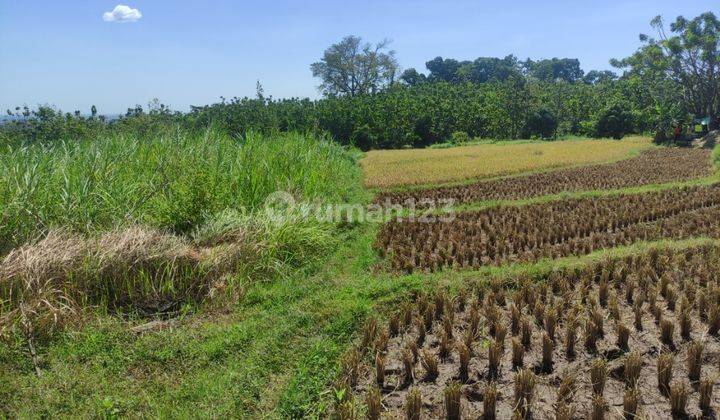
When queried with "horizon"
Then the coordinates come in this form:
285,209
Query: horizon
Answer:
72,56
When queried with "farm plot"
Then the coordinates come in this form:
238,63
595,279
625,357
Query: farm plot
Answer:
651,167
548,230
633,335
395,168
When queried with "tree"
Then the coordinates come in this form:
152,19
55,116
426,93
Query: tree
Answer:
595,77
481,70
542,123
443,69
615,121
412,77
688,56
353,68
485,69
548,70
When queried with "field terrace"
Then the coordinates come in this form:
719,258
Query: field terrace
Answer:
587,291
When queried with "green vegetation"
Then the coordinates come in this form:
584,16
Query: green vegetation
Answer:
129,224
176,182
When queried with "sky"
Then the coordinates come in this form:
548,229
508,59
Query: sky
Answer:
76,53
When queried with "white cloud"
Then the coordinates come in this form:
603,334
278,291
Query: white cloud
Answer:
122,14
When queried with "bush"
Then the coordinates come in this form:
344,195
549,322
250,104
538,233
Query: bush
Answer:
147,225
541,123
460,137
615,121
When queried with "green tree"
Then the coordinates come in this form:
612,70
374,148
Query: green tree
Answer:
542,123
485,69
615,121
443,69
352,67
412,77
595,77
548,70
688,56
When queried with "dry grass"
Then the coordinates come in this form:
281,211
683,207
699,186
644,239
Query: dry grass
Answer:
706,389
665,366
453,394
658,166
392,168
524,390
679,392
631,401
47,284
51,282
598,375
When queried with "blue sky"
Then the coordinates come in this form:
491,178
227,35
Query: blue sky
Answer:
190,52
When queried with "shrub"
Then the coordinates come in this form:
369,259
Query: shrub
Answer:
541,123
459,138
615,121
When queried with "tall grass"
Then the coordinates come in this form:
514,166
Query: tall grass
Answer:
174,182
129,223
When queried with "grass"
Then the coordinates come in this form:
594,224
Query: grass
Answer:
175,182
396,168
129,224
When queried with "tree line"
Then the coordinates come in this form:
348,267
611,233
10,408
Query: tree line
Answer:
671,79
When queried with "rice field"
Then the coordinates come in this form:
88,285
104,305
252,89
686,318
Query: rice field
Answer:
508,234
385,169
654,166
633,335
627,337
